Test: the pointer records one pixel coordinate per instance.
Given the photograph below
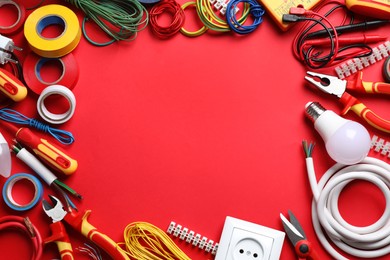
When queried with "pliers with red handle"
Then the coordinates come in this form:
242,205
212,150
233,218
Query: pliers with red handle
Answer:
303,248
335,86
80,223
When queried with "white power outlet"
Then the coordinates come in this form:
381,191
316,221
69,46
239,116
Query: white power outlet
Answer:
242,240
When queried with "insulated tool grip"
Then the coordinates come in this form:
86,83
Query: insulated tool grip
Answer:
376,87
371,118
304,250
11,86
61,238
51,154
80,223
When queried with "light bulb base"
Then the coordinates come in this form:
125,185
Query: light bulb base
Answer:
313,110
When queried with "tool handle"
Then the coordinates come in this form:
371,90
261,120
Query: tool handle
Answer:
52,155
61,238
370,117
351,103
80,223
305,250
11,86
376,87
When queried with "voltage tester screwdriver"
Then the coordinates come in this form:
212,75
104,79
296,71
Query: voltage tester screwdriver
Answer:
50,154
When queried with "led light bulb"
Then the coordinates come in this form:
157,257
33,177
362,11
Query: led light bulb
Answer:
347,142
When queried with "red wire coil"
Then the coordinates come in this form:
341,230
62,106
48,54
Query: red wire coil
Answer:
26,227
178,17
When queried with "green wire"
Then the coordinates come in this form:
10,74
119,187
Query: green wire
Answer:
69,189
119,19
308,148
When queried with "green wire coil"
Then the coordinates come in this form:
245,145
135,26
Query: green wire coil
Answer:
121,20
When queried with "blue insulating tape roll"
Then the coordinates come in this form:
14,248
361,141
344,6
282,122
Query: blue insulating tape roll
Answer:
7,191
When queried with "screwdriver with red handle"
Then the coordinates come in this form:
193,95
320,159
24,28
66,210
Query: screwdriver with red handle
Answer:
53,156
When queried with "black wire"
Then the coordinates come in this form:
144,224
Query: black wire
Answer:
324,60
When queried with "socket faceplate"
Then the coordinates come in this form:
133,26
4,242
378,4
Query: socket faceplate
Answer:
243,240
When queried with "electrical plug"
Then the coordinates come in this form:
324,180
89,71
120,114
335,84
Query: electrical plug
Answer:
7,46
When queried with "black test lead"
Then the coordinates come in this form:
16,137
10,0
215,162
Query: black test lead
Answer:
45,174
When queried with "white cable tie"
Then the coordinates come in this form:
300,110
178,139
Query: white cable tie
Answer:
171,227
196,240
190,236
212,1
177,230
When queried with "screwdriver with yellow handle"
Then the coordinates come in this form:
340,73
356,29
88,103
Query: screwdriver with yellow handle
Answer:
53,156
11,86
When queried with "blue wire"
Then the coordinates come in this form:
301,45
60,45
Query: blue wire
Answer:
256,10
14,116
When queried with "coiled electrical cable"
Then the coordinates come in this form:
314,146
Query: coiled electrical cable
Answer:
14,116
364,242
171,7
214,22
196,33
119,19
146,241
255,9
26,227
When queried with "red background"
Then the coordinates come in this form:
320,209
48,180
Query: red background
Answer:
193,130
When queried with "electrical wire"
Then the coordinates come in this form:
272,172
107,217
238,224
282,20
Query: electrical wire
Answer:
93,252
364,242
26,227
318,58
14,116
56,184
255,9
171,7
146,241
121,20
196,33
214,22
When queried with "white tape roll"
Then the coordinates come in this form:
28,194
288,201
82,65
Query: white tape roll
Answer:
49,116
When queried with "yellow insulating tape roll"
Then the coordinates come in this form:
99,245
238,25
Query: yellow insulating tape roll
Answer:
48,15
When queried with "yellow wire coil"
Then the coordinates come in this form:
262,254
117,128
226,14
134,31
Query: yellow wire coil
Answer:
146,241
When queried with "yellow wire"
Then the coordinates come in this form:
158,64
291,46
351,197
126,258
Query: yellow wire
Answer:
146,241
195,33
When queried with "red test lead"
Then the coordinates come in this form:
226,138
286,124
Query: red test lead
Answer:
347,40
50,154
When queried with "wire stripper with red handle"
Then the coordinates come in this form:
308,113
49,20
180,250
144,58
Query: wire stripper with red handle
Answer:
78,221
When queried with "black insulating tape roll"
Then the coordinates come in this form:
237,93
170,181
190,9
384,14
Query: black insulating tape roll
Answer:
386,70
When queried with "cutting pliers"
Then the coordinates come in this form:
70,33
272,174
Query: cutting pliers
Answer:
78,222
335,86
303,248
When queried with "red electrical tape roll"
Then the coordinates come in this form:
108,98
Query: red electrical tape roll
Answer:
32,72
20,20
